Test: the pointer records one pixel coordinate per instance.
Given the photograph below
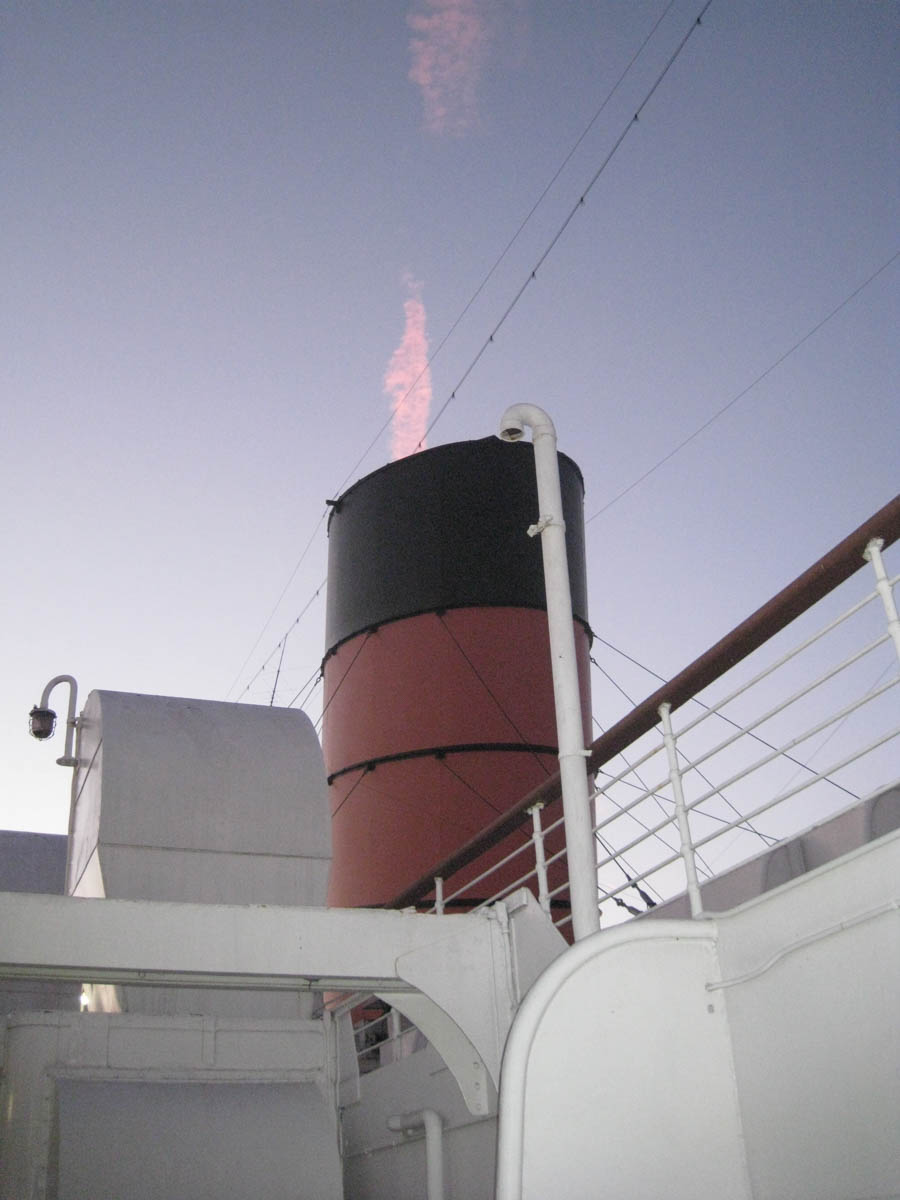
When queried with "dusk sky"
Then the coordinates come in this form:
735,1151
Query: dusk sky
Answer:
233,234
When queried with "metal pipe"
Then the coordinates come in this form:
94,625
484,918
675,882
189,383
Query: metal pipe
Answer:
540,858
67,760
395,1032
872,554
806,590
69,757
433,1124
580,850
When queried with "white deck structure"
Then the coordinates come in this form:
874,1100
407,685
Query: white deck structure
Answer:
739,1038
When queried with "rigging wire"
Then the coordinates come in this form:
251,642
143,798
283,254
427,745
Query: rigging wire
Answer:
492,695
734,724
442,758
641,784
280,645
341,681
750,829
500,258
834,730
282,594
363,772
568,220
504,252
532,276
632,878
278,670
369,769
741,394
312,683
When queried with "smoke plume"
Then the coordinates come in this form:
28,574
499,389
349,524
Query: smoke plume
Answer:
448,48
407,380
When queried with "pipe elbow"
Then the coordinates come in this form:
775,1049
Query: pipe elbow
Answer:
425,1118
518,416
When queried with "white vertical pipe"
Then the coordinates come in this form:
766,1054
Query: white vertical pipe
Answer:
580,850
684,828
69,758
540,858
438,896
394,1033
434,1145
872,552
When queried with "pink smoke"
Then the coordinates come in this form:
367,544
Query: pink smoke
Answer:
407,381
448,51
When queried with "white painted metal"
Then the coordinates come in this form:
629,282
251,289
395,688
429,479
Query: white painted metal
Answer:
810,979
197,800
754,1054
457,978
218,945
433,1124
570,732
751,1055
631,854
681,814
120,1105
382,1165
885,590
813,847
473,883
540,858
476,1079
395,1030
191,800
600,1090
34,862
628,793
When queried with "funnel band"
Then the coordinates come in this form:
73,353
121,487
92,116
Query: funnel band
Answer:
441,752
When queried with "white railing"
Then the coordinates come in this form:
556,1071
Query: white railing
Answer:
723,786
783,740
740,770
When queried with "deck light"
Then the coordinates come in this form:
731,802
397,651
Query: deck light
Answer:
41,723
42,719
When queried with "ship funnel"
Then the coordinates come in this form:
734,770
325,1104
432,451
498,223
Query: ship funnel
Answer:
438,705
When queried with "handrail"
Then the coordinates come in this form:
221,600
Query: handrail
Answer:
838,565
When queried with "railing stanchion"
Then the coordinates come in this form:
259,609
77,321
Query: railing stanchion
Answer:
684,829
395,1030
872,554
540,859
438,895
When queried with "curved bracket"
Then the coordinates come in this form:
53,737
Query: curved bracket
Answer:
479,1090
68,759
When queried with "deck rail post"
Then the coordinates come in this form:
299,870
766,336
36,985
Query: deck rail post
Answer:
872,554
540,858
681,813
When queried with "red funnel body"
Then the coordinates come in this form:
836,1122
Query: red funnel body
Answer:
439,708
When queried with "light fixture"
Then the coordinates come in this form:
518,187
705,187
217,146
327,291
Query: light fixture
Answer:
41,723
42,718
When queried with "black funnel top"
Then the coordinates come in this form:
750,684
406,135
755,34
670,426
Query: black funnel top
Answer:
442,529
